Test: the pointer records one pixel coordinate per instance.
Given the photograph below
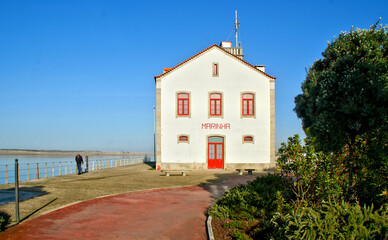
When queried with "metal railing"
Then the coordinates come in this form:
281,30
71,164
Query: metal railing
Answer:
31,171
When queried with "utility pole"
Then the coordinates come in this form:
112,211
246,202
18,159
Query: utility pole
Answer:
154,138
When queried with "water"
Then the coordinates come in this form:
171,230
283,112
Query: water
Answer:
28,165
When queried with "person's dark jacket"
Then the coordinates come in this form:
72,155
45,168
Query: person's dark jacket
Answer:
79,159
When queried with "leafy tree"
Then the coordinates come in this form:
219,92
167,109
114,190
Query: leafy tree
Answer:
345,94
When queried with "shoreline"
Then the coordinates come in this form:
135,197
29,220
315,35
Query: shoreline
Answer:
69,153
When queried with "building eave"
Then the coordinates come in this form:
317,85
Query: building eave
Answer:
158,77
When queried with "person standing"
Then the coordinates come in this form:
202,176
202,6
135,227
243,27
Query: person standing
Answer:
79,161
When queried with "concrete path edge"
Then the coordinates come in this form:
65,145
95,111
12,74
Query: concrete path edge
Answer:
209,228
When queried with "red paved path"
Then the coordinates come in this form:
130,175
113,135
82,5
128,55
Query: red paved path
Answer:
173,213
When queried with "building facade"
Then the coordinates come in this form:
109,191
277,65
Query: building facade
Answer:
215,111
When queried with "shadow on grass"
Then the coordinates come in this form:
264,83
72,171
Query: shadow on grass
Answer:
151,164
8,195
37,210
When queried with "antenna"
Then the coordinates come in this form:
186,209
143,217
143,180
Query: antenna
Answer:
236,27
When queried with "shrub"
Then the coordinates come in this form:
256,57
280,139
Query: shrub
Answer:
239,235
338,220
2,223
312,176
259,198
235,225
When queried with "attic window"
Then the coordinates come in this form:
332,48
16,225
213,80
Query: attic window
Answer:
215,69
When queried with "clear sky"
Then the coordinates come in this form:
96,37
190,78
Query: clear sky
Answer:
79,74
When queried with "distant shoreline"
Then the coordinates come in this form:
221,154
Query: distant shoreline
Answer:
69,153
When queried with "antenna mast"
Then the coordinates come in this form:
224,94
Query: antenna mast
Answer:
236,27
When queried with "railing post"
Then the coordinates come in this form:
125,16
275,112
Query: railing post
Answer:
86,164
17,190
71,167
53,174
93,166
37,170
45,170
28,171
59,170
6,174
65,167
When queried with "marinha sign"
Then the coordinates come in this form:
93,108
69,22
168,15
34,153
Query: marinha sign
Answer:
215,125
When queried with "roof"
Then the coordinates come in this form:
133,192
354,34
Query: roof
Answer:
207,49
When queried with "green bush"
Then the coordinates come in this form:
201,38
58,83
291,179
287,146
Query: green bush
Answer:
239,235
337,221
235,225
259,198
2,223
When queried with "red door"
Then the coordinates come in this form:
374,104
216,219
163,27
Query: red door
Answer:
215,153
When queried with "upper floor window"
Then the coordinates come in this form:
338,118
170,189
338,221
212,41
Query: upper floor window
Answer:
248,104
183,108
215,69
215,104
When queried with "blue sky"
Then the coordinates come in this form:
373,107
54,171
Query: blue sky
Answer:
78,75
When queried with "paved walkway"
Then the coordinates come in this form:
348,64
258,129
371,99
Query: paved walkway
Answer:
172,213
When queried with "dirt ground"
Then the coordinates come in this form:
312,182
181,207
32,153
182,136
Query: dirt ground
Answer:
68,189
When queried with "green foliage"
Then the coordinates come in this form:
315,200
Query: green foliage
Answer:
309,174
259,198
2,223
239,235
345,96
372,168
235,225
338,220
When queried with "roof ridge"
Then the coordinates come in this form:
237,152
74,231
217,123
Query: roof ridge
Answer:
205,50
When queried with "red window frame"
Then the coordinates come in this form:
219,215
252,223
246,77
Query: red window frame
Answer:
248,139
183,104
248,104
215,104
183,138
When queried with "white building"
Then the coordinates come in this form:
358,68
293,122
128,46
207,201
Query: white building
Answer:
215,111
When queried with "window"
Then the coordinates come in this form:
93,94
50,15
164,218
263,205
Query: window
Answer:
248,104
183,104
247,139
183,139
215,69
215,104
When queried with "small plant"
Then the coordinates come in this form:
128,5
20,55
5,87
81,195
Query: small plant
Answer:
235,225
239,235
2,223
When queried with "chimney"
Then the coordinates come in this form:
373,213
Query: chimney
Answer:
260,67
237,51
166,70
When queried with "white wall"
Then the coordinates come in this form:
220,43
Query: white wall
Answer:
196,77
